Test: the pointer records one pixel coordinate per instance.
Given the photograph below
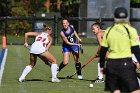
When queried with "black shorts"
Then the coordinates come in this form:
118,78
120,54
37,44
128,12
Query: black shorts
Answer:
121,75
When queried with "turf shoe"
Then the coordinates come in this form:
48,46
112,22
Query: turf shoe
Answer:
99,80
21,79
57,70
80,77
55,80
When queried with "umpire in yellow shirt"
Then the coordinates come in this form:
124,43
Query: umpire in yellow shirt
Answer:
120,40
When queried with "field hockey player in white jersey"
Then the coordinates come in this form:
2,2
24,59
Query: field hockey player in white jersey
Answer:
40,48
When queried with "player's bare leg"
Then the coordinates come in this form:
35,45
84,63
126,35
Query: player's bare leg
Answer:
77,64
66,57
28,68
54,67
46,61
100,75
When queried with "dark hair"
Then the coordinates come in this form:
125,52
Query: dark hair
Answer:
97,24
46,27
65,18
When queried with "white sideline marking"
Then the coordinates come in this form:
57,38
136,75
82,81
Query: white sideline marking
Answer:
2,65
22,88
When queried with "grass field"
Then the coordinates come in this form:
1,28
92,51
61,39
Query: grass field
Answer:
38,81
15,40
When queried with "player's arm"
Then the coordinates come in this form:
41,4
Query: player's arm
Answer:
27,35
64,38
98,52
99,38
50,43
75,33
103,55
103,51
79,39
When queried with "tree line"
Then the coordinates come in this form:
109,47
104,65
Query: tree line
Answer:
26,8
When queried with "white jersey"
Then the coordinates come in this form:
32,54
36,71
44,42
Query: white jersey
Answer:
133,56
39,46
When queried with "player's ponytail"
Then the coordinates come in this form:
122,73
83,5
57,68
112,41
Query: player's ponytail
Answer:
46,27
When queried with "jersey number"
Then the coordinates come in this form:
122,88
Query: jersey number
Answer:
71,39
42,40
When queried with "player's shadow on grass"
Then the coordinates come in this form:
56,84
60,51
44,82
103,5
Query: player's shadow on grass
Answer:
64,78
93,80
34,80
84,79
75,79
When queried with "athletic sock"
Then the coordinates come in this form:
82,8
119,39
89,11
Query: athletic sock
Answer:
78,66
61,66
54,70
26,71
100,74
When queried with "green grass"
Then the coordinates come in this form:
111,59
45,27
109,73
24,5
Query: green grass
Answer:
16,40
39,78
19,40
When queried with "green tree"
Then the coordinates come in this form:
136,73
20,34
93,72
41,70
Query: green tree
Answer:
19,11
70,8
135,3
19,27
5,6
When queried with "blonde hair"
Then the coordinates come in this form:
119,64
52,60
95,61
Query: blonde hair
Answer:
47,28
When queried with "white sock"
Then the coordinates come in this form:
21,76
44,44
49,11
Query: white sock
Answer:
54,70
100,75
26,71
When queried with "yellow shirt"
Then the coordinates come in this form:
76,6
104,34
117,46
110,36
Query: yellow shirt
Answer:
118,40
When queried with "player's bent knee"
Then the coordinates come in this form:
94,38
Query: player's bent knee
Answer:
65,63
31,65
54,61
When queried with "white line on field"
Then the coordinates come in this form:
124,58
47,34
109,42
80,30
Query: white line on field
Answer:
19,62
2,65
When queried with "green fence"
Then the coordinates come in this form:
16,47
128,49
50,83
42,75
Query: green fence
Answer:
15,27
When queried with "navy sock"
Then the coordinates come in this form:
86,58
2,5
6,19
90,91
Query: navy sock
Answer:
61,66
78,66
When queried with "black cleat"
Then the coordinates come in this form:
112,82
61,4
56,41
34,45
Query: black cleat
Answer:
99,80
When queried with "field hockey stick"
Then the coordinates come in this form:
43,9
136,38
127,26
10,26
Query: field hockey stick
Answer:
28,47
81,48
68,77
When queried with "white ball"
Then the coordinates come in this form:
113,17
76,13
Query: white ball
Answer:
90,85
83,33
